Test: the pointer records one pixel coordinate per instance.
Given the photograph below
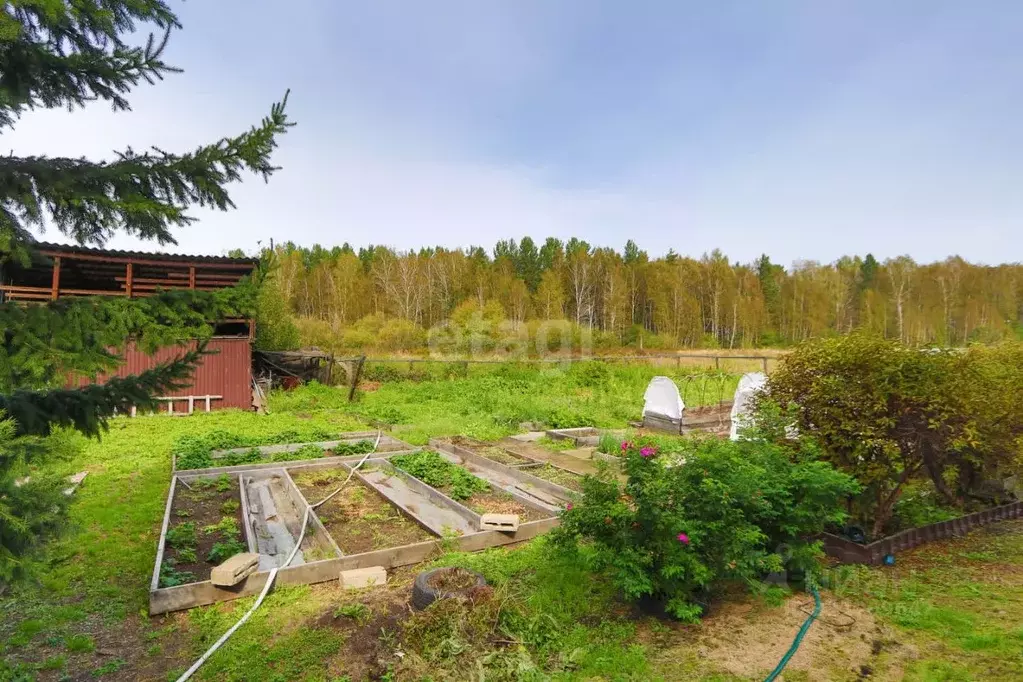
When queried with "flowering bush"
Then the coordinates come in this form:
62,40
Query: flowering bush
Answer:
733,511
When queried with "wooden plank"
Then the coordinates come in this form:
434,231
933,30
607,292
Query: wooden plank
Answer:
347,439
250,536
155,584
439,498
253,467
434,515
128,278
191,277
189,596
113,258
55,280
317,523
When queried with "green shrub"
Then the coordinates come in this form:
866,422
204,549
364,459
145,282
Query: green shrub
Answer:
432,469
733,511
886,413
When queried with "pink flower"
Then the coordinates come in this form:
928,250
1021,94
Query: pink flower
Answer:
683,538
626,445
568,506
648,451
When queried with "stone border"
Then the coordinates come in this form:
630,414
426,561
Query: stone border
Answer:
849,552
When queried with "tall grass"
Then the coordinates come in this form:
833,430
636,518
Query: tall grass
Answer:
490,401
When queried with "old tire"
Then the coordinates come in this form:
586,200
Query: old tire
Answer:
423,594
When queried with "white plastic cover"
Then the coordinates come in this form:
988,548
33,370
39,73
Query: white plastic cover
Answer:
749,384
662,399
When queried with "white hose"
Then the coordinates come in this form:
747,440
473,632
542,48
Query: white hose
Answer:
273,571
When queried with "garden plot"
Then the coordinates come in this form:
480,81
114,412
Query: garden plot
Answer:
517,481
461,484
491,452
549,472
384,516
205,528
359,519
347,445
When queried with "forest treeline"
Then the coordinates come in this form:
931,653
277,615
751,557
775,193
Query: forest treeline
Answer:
376,297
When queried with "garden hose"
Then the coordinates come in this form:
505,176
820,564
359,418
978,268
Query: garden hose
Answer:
799,636
273,572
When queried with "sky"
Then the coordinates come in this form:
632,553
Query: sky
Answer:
805,130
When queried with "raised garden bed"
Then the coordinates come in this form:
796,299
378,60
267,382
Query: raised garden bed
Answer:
500,502
492,452
551,473
274,506
582,437
357,518
205,529
347,445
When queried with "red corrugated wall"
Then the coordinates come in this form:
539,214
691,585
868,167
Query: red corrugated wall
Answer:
228,373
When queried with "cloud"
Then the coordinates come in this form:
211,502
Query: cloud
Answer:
809,135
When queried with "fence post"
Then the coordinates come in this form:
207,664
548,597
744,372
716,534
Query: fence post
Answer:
764,360
717,362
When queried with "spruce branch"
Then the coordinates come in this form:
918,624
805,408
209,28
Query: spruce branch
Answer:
87,409
144,194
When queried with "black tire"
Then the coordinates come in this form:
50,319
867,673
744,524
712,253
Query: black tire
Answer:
423,595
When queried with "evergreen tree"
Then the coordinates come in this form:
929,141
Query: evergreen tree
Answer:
66,53
528,265
768,274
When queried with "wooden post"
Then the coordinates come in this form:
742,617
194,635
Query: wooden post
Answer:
355,377
765,364
55,284
207,403
191,404
717,362
128,278
191,276
170,406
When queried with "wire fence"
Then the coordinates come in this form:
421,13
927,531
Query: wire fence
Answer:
737,363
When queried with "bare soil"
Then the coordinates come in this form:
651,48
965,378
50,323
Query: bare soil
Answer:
747,640
553,474
495,502
203,506
358,518
491,452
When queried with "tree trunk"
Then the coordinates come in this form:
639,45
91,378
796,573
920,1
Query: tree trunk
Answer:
934,470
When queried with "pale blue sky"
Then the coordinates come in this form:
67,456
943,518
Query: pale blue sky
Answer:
806,130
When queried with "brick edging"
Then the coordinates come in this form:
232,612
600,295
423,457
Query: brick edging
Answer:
849,552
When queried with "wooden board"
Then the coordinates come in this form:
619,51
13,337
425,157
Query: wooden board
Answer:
189,596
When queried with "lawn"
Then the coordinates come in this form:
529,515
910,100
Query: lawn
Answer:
948,611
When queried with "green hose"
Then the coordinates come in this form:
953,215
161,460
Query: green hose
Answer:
799,636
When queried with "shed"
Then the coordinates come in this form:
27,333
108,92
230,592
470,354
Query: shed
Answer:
60,271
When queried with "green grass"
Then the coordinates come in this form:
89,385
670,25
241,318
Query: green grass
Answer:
960,602
490,401
960,605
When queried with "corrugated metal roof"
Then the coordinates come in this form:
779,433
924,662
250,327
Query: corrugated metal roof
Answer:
150,255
